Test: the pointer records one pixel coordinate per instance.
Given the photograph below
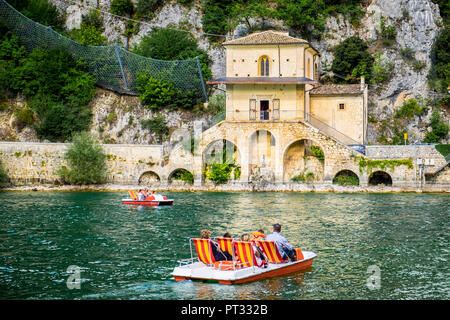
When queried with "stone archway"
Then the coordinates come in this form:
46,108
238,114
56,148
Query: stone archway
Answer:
380,177
303,160
223,155
262,155
346,178
149,178
180,176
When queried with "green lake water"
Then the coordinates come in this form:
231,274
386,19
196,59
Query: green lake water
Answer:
128,252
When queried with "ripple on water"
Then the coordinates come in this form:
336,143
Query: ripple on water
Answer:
127,252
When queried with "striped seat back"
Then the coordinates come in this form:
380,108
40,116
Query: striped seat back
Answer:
204,251
270,250
132,195
225,244
245,254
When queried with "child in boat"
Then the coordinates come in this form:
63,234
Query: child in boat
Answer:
218,254
259,255
141,195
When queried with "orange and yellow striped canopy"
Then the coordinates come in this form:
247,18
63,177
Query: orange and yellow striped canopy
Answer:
270,250
244,252
225,244
204,251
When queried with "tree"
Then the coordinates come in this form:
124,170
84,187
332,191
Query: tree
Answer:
244,10
440,56
86,161
306,16
351,59
122,7
171,44
90,31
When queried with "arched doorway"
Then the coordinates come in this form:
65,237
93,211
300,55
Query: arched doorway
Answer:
303,160
181,176
221,162
149,178
380,177
346,178
262,156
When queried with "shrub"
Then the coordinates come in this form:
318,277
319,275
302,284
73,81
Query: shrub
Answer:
346,179
183,175
40,11
11,56
146,8
439,128
351,58
91,29
407,53
25,116
215,15
86,160
160,93
157,125
303,177
419,65
56,85
170,44
317,152
382,70
220,173
387,32
3,174
154,92
308,17
409,109
122,7
440,57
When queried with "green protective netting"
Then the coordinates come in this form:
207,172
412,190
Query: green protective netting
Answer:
115,68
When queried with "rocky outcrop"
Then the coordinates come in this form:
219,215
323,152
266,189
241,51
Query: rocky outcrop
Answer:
417,23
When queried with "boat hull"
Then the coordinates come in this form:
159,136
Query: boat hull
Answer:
167,202
199,271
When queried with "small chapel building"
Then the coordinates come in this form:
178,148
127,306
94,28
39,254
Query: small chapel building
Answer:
273,77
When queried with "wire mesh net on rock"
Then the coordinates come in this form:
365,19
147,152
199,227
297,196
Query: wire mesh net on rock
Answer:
115,68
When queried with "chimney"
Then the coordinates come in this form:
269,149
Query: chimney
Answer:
363,83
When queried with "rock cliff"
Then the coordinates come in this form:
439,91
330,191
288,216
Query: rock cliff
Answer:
417,23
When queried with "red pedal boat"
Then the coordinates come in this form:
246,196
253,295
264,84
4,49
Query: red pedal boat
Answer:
149,200
243,268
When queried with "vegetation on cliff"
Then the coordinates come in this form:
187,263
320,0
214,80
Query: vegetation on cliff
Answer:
57,87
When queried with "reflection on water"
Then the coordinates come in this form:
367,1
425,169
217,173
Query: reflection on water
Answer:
128,252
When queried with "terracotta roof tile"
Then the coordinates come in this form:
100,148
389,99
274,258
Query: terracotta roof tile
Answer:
333,89
266,37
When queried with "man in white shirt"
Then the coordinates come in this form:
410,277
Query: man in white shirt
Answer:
284,247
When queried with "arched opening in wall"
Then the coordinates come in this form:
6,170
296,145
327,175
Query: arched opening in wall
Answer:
149,178
181,176
264,66
221,162
380,177
346,178
262,155
303,161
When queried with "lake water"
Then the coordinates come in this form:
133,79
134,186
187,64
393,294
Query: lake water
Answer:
369,246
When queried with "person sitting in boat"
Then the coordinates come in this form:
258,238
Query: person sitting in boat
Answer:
257,235
218,254
157,196
259,255
286,249
227,235
141,195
